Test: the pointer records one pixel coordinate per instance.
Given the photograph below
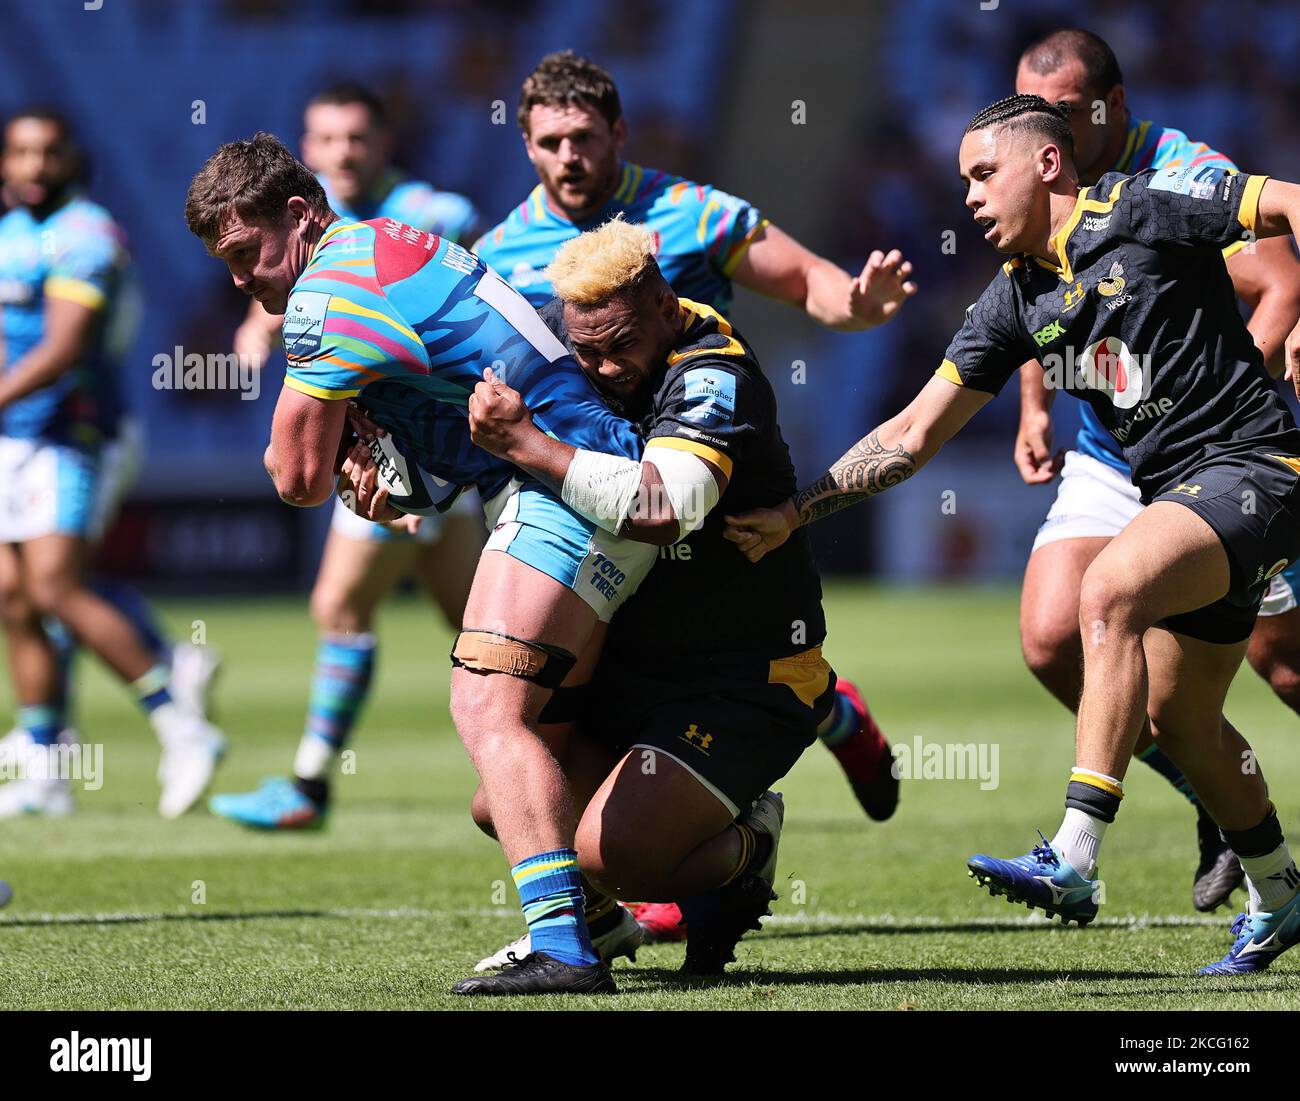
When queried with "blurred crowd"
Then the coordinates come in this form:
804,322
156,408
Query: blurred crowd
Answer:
1226,74
451,69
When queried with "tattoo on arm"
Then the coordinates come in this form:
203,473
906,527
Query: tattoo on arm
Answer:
866,469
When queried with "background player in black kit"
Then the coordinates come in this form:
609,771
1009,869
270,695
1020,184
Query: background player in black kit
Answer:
712,681
1132,309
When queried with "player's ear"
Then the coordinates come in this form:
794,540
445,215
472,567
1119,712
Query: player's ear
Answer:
1050,162
1115,102
668,305
526,133
619,133
298,212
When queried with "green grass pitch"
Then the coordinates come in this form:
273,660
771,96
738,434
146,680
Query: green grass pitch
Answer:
399,895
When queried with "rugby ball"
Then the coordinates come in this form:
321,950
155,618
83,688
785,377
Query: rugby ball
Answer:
410,488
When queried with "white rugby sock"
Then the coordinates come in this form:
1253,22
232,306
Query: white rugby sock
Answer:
1079,839
314,759
1272,879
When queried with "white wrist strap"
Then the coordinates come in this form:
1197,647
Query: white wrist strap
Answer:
601,487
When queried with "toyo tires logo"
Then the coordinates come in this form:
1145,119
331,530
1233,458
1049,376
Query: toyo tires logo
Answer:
1109,367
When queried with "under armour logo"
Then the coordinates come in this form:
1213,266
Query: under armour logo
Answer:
697,738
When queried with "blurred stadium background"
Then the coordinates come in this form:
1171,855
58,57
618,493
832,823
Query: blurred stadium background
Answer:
709,87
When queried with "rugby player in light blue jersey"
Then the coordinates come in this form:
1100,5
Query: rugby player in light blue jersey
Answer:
1096,497
348,142
402,323
63,263
573,129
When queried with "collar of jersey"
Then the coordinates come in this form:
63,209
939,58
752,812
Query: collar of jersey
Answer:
69,197
694,313
341,223
1137,135
1083,204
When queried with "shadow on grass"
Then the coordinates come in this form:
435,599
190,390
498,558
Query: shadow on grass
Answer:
147,919
647,980
814,929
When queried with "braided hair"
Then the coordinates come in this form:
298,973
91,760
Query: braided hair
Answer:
1030,114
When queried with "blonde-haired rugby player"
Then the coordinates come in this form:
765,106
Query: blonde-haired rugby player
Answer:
701,701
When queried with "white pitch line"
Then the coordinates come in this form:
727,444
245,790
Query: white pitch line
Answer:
808,919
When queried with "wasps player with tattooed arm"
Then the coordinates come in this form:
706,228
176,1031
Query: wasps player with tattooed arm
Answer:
1167,608
1095,496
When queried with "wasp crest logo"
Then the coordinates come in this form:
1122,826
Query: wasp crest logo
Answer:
1114,281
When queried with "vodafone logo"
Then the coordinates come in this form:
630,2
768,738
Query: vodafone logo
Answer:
1108,366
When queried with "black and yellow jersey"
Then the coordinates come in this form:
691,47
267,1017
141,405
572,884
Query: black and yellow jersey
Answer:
1140,321
703,599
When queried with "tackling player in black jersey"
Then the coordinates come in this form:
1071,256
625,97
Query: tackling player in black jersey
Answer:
1120,292
712,681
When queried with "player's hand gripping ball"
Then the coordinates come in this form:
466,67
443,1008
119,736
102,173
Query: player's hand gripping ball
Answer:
379,481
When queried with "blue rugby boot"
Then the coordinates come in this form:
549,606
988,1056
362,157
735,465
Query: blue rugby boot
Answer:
1258,939
1043,879
276,805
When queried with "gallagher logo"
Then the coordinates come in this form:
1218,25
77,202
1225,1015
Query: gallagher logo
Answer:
1108,366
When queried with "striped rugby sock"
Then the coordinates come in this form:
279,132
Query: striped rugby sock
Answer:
1091,803
339,687
600,910
755,848
42,721
550,890
152,689
840,725
1271,875
1153,757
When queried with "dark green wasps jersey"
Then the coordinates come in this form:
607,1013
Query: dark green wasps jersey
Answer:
1140,321
703,601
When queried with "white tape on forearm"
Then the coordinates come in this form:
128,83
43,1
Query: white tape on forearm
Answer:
601,487
688,483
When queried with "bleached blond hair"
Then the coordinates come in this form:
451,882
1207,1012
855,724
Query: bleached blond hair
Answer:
603,263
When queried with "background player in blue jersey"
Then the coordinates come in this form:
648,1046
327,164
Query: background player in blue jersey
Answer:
63,262
1096,497
573,129
348,142
403,323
